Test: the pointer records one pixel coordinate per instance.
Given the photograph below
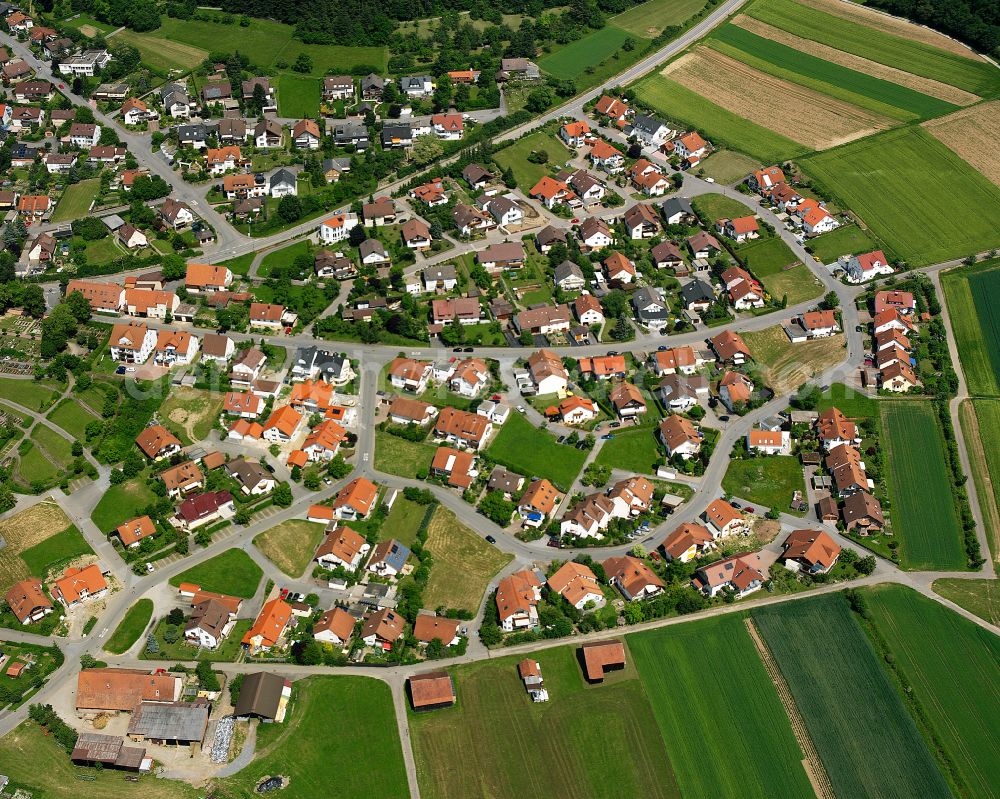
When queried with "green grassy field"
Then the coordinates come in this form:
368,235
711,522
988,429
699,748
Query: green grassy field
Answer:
72,417
404,520
464,563
31,394
516,155
977,335
648,19
298,96
241,264
728,166
754,757
977,77
122,502
35,466
981,597
56,447
718,206
395,455
191,412
767,481
851,403
921,227
132,625
291,544
926,520
572,746
866,91
573,60
231,572
953,668
56,550
527,450
82,20
367,762
868,743
845,240
284,256
75,201
980,421
768,259
160,53
716,124
632,450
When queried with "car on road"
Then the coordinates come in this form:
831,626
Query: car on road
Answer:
662,348
607,437
521,409
496,398
491,539
710,180
615,424
149,567
467,349
735,504
575,220
457,349
612,353
296,597
560,439
723,418
284,593
749,509
859,328
554,542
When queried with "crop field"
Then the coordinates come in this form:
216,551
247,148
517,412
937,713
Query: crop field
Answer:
291,544
300,747
953,668
797,18
299,96
191,412
75,201
516,155
768,481
845,240
573,60
231,572
24,531
72,417
972,133
977,334
122,502
758,757
926,520
632,450
527,450
921,227
891,91
868,743
572,746
981,597
464,563
161,54
802,114
132,625
717,124
980,420
650,18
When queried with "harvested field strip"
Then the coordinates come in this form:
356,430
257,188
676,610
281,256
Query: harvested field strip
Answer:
163,54
980,420
972,133
977,77
922,87
869,744
716,123
872,18
801,114
926,521
755,758
952,667
813,764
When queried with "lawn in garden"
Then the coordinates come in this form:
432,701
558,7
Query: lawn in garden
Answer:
526,449
769,480
515,156
76,200
298,96
232,572
291,544
122,502
636,450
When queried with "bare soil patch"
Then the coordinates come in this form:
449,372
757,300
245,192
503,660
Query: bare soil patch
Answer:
892,25
972,134
932,88
801,114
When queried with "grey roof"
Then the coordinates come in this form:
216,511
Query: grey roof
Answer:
340,164
192,132
282,176
647,296
415,82
113,221
647,124
175,721
442,272
567,269
370,246
697,291
677,205
348,131
372,81
248,473
260,695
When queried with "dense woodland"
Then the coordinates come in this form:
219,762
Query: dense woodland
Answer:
975,22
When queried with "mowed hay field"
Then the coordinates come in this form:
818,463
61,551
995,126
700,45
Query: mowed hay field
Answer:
797,17
977,334
920,226
717,124
973,133
787,366
862,731
291,544
23,531
574,59
815,120
925,520
299,96
162,54
756,756
953,668
860,81
650,18
464,563
595,742
980,421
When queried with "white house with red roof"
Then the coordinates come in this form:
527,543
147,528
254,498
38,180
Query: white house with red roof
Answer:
336,228
867,266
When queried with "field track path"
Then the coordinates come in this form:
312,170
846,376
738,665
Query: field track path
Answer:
813,764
